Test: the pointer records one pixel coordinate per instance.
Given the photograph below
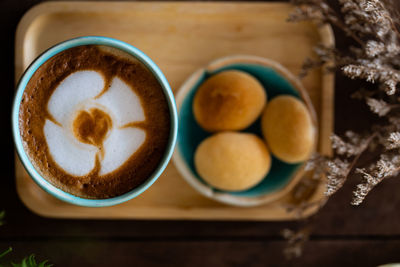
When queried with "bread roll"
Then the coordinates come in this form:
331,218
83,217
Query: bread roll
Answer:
288,129
228,101
232,161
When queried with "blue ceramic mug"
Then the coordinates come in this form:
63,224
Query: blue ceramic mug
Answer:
139,55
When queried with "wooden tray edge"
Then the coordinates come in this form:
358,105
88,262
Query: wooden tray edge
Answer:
48,7
328,95
36,11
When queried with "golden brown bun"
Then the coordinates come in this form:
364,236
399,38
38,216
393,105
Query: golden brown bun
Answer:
228,101
288,129
232,161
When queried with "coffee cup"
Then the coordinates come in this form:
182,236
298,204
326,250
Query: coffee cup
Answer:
105,127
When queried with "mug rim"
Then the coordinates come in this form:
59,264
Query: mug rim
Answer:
149,64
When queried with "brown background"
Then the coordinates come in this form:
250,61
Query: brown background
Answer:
342,236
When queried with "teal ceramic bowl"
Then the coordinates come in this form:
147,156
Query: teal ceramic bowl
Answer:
94,40
277,81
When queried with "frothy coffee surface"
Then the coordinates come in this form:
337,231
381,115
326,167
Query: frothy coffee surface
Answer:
94,121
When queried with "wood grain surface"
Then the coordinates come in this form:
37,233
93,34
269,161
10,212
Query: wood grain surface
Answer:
343,235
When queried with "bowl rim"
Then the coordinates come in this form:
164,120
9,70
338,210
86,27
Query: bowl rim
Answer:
226,197
149,64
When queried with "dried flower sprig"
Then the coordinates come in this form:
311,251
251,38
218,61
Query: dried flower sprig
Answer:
348,152
393,141
371,25
375,57
295,241
387,166
379,107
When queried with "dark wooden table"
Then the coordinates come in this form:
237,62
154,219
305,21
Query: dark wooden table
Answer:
342,236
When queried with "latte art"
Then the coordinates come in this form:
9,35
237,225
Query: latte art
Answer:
91,126
94,121
96,136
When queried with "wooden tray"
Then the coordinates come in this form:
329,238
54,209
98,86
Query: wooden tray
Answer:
180,38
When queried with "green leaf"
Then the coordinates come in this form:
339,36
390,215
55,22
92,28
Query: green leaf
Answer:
2,216
5,252
31,262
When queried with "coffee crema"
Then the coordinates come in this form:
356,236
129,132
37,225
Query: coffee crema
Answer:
94,121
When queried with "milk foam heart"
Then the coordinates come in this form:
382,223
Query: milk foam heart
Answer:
81,92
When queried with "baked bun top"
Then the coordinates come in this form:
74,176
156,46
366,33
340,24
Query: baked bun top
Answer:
288,129
232,161
228,101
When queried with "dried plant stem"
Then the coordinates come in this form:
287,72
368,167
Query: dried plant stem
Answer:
357,157
394,28
338,23
373,27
